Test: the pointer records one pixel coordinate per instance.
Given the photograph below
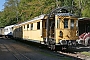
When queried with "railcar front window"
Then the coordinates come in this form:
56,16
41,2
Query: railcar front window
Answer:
72,23
66,23
77,23
58,23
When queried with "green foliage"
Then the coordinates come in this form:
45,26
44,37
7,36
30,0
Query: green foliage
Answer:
16,11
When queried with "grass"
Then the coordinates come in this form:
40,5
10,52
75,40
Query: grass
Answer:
86,53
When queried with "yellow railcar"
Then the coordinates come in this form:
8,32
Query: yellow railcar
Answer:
61,29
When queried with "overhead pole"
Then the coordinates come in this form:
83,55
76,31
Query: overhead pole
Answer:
80,7
57,6
47,26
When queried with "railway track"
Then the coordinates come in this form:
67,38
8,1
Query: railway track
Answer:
75,54
68,53
72,53
18,55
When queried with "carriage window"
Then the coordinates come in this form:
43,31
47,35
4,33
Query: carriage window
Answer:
66,23
38,25
28,26
72,23
6,30
32,26
58,23
12,28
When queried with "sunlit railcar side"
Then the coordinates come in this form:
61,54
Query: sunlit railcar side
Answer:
32,30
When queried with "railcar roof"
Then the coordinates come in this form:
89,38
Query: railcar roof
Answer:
42,17
65,14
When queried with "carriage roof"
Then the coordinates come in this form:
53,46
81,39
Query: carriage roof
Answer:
34,19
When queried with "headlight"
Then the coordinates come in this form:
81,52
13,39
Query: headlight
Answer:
77,33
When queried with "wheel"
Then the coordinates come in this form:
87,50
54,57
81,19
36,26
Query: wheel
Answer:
87,41
52,47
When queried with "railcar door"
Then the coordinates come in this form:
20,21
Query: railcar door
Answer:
52,29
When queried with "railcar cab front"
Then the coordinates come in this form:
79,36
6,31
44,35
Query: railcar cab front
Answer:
61,29
66,28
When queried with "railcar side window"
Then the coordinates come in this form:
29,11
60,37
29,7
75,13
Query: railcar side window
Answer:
72,23
27,25
32,26
38,25
66,23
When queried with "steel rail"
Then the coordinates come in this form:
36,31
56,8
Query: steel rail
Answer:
15,52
